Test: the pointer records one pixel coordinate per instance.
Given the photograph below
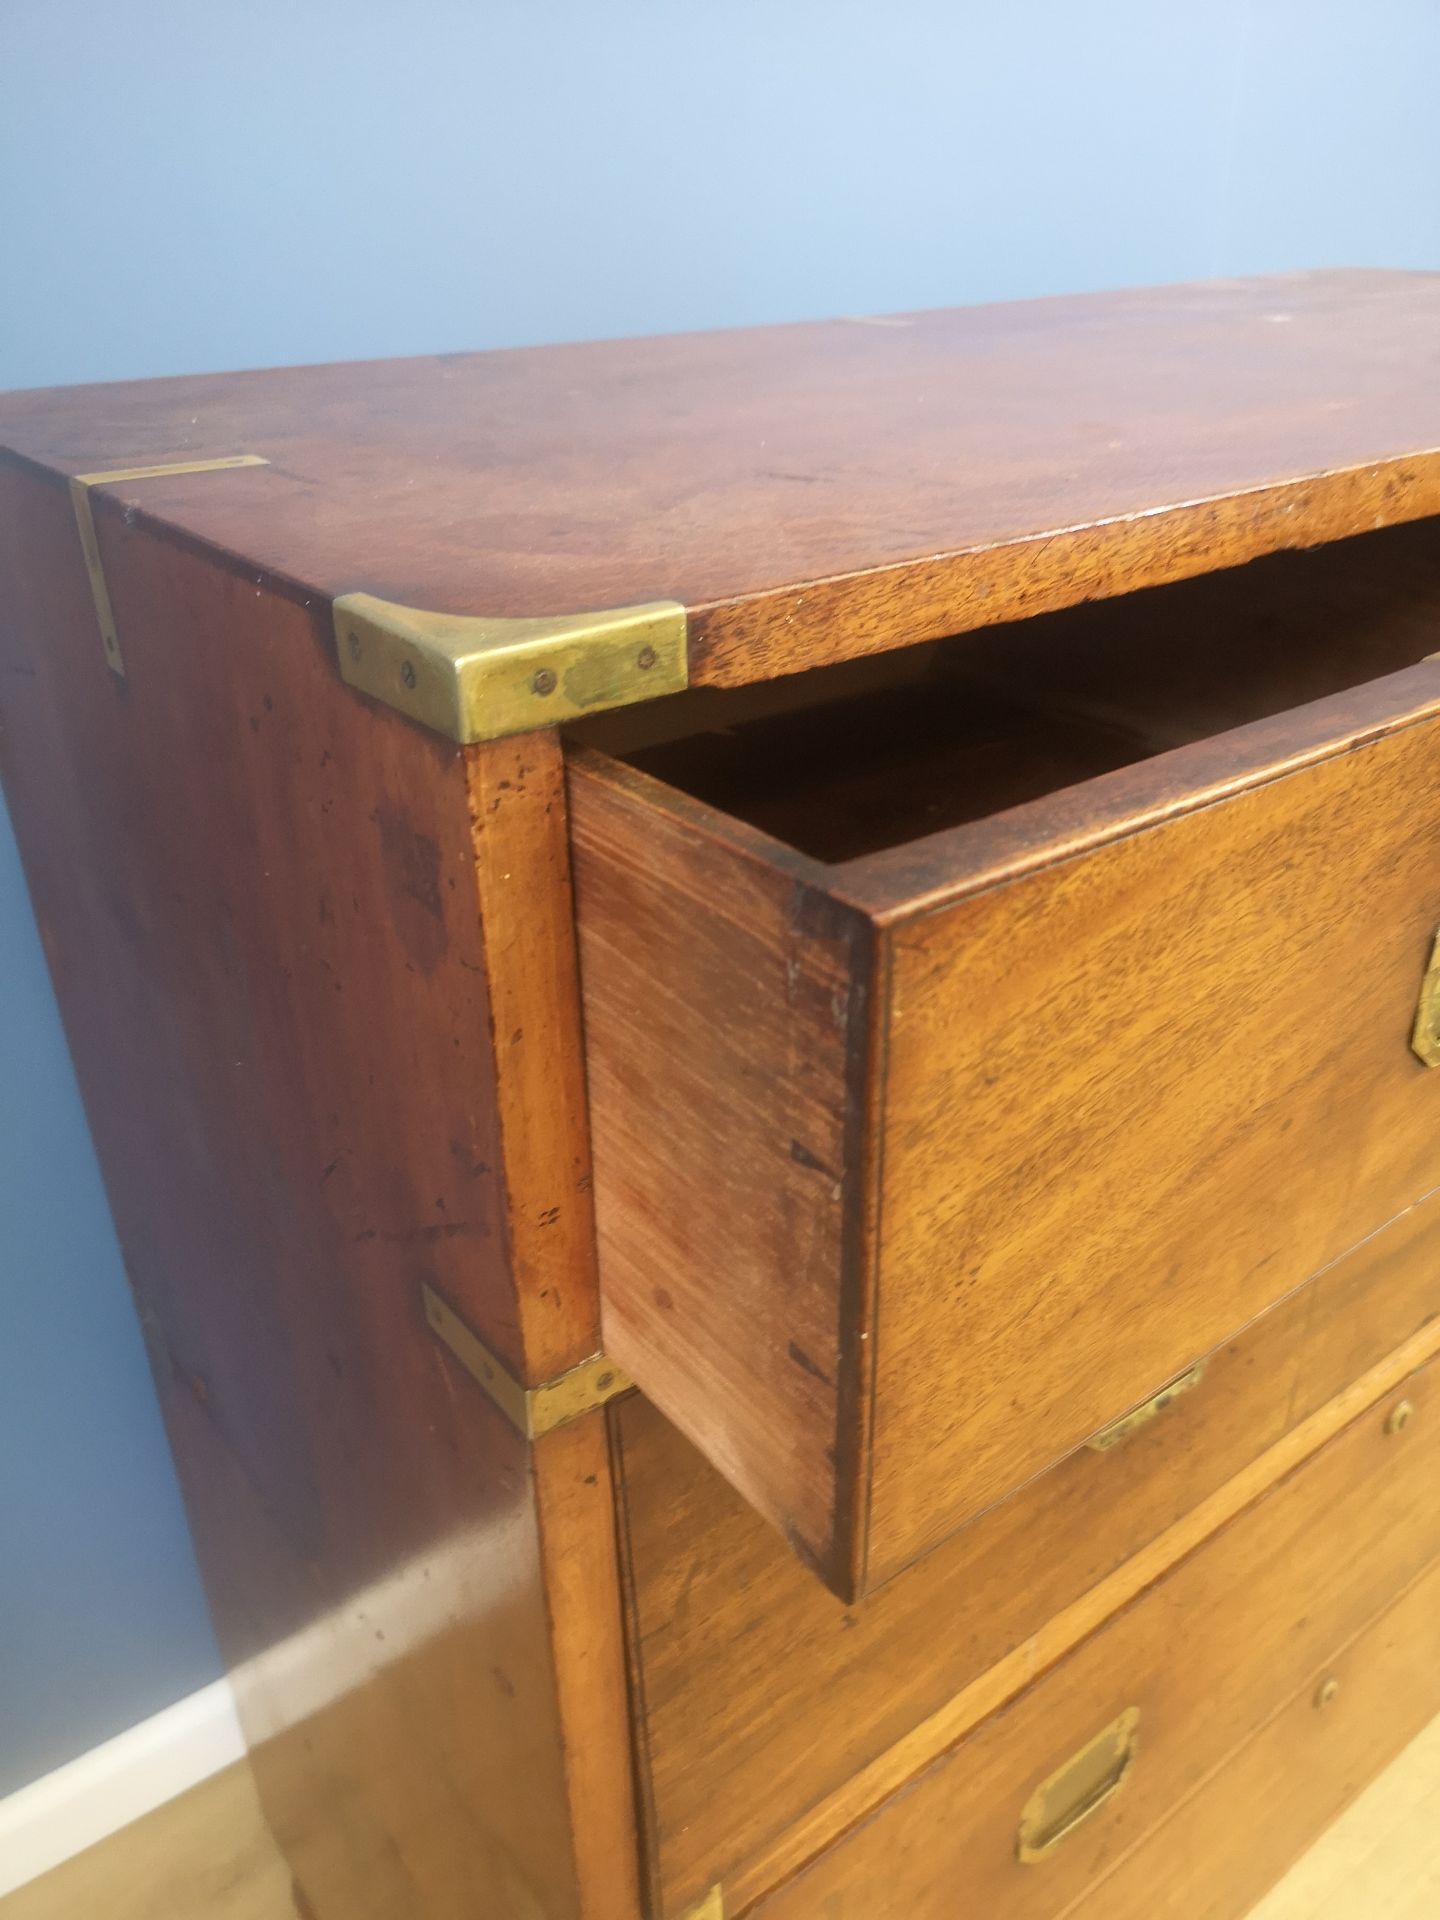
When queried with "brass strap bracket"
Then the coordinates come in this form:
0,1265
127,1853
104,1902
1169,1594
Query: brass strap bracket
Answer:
533,1410
475,678
80,485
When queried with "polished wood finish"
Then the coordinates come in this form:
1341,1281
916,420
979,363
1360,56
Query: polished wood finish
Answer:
718,1607
998,969
1350,1529
812,492
209,1856
1302,1769
727,1039
1219,1008
1383,1853
1190,998
293,990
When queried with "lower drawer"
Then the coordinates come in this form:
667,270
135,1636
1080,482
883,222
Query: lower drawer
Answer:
1049,1797
1281,1790
764,1705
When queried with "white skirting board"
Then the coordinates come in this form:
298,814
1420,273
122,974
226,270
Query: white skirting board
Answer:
107,1788
335,1655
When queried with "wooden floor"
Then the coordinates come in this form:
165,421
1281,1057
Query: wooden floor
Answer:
207,1857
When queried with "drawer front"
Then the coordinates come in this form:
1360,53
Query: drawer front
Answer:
1045,1799
915,1172
732,1770
1279,1792
1131,1101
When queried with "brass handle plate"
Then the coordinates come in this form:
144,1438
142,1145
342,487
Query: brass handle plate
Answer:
1425,1034
1089,1780
1141,1416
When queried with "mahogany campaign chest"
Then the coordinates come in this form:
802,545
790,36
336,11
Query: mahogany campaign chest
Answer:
761,1013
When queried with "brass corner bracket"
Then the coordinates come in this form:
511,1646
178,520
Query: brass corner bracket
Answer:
473,678
533,1410
80,485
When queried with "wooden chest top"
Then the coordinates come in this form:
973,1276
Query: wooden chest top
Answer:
807,493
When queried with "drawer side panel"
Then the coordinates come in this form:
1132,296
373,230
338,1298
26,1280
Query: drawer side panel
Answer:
726,1030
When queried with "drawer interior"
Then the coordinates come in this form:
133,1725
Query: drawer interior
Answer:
848,761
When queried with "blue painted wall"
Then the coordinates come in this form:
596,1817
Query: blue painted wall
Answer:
186,186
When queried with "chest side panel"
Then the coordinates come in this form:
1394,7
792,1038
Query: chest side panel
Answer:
261,906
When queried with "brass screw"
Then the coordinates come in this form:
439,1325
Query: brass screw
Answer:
407,674
354,646
544,681
1400,1417
645,658
1326,1692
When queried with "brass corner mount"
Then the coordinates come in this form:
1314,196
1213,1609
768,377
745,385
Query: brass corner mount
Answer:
533,1411
471,677
80,488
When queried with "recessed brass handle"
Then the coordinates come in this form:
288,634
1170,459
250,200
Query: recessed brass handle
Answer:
1088,1781
1425,1034
1141,1416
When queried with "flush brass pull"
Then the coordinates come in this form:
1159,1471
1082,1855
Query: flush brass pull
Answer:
1088,1781
1141,1416
1425,1034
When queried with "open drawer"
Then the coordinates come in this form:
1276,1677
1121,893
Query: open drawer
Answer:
979,1036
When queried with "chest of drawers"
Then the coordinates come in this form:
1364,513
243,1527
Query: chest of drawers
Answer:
759,1012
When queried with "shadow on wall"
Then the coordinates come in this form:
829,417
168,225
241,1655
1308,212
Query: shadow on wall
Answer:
100,1608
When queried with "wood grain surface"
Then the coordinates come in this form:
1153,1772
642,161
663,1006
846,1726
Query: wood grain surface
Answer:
726,1036
208,1855
1383,1853
1132,1100
732,1775
810,492
1302,1769
922,1154
1208,1655
1100,1112
297,945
